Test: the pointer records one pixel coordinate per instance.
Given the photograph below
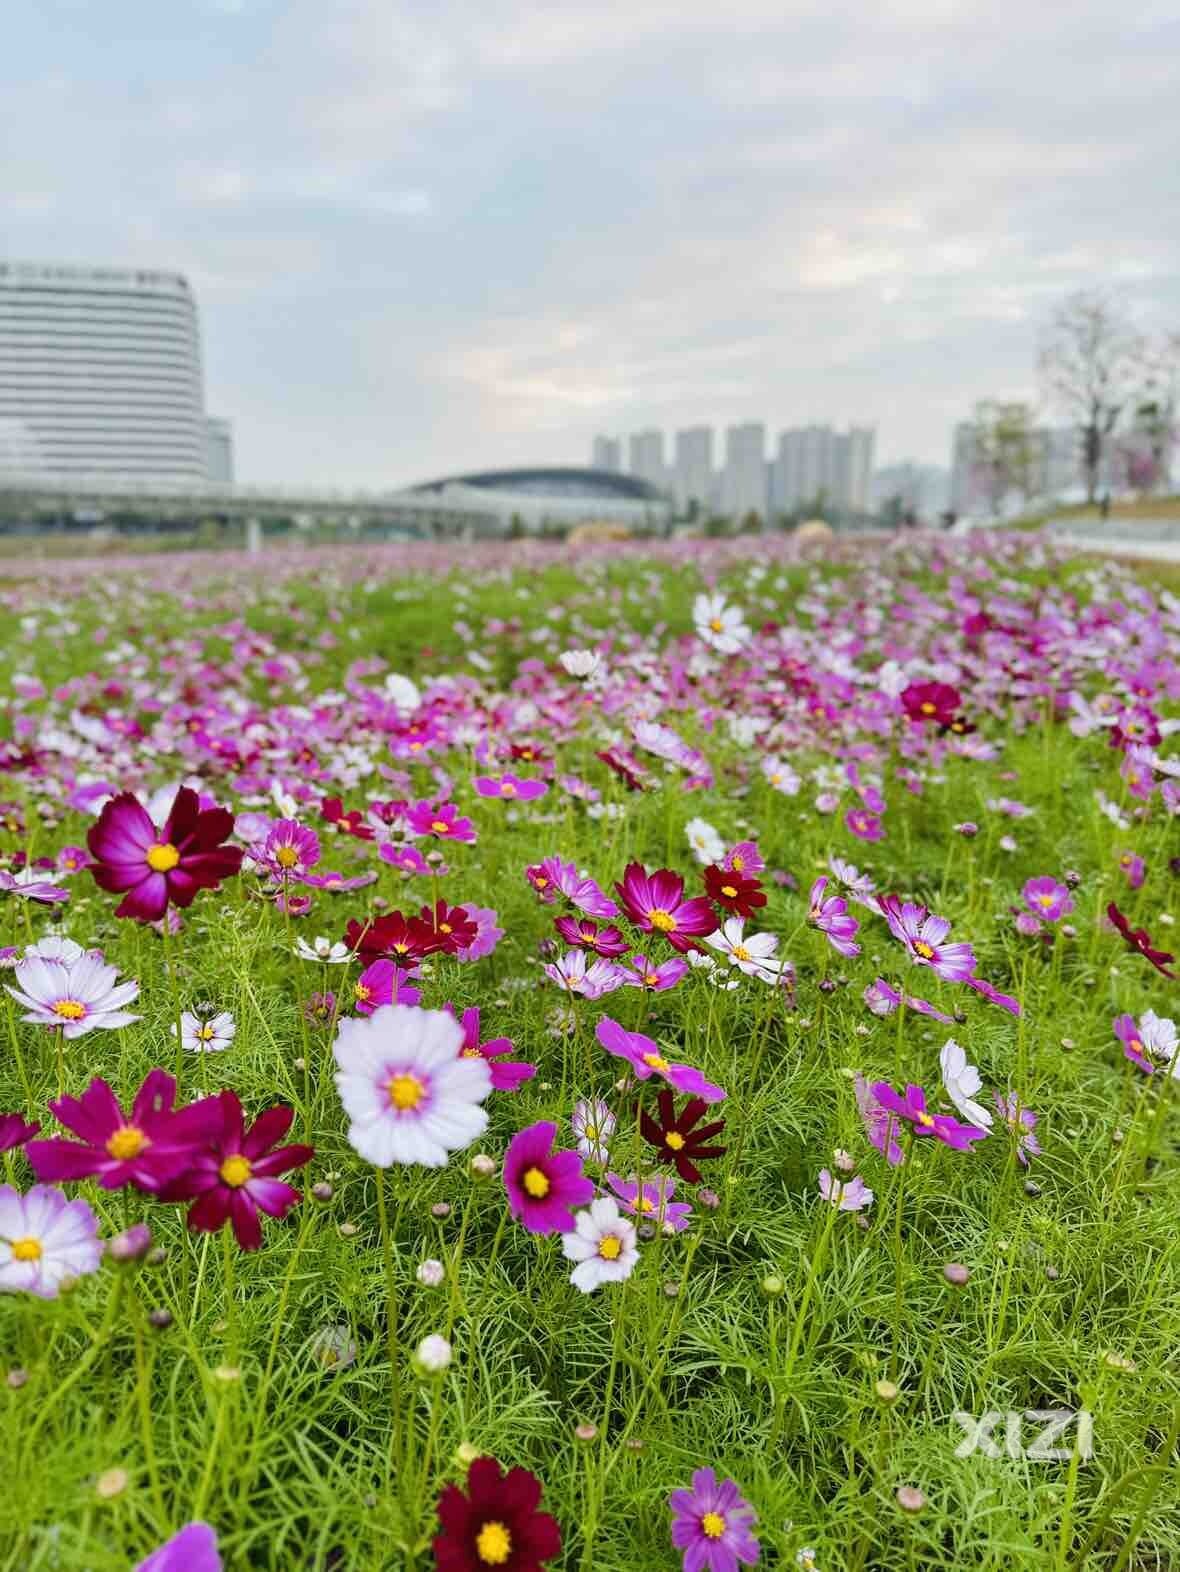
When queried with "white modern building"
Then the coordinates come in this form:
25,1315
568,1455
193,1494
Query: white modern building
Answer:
692,475
816,464
743,480
607,453
645,458
219,451
100,375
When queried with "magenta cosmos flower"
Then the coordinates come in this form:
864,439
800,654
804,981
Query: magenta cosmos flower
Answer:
157,866
711,1524
911,1106
1151,1042
646,1060
864,825
380,983
554,878
1047,899
831,916
655,903
146,1147
544,1186
585,933
235,1176
510,788
14,1131
923,935
443,822
194,1549
506,1077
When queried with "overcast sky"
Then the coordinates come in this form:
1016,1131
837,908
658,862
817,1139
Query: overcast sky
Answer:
427,235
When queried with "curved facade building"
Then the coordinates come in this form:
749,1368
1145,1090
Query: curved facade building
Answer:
100,375
560,496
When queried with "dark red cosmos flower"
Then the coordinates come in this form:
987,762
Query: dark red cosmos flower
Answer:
154,866
14,1131
676,1138
235,1174
350,823
931,701
496,1524
585,933
626,766
147,1147
655,903
453,927
1138,939
732,892
530,753
393,935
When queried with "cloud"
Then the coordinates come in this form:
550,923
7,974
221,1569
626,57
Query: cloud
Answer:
426,238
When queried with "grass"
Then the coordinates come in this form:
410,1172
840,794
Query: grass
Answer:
819,1364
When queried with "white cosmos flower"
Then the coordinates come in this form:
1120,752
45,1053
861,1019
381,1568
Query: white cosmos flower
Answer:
721,626
858,884
55,947
705,841
1158,1035
44,1239
781,776
206,1036
410,1095
580,663
322,949
962,1081
752,954
402,693
603,1244
77,996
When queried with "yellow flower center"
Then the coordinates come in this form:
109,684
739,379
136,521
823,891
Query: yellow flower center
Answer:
926,1121
204,1033
675,1140
286,856
1045,900
541,881
363,992
493,1544
717,625
445,927
729,891
162,857
662,920
655,1061
929,709
642,1204
1135,1045
69,1009
507,789
737,864
439,826
776,777
471,1053
651,978
405,1091
713,1525
610,1247
235,1170
27,1249
536,1183
740,953
923,949
126,1142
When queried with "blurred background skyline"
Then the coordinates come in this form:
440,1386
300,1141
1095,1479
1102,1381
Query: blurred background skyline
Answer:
431,237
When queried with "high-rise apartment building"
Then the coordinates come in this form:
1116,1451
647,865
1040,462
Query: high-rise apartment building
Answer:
646,457
693,481
100,374
607,453
743,480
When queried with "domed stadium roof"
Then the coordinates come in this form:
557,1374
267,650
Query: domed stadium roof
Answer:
575,484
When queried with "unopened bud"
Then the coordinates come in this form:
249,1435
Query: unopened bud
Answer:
910,1498
773,1286
131,1245
887,1392
431,1273
956,1274
432,1355
482,1167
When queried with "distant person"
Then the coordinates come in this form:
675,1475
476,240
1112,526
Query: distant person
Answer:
1104,505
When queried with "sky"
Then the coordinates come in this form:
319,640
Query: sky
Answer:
434,235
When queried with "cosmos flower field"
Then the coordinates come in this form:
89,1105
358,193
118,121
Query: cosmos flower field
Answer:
620,1060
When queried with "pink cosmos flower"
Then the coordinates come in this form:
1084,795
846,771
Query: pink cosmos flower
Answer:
14,1131
712,1523
882,999
646,1060
74,994
145,1147
487,935
591,980
442,822
512,788
544,1186
1133,869
639,972
553,878
923,935
289,851
380,983
847,1195
408,858
831,916
880,1126
1151,1042
506,1077
1047,899
157,866
1021,1122
910,1105
235,1175
652,1202
993,995
193,1549
864,825
71,859
655,903
32,885
744,858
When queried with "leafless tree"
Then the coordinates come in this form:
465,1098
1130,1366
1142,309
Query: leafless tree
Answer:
1090,359
1004,450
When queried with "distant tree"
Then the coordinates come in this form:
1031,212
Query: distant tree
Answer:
1155,413
1089,361
1005,444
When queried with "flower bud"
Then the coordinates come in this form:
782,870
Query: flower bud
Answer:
585,1432
910,1498
441,1209
321,1191
773,1286
431,1273
16,1378
160,1320
482,1167
432,1355
131,1245
956,1274
887,1392
110,1484
709,1199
